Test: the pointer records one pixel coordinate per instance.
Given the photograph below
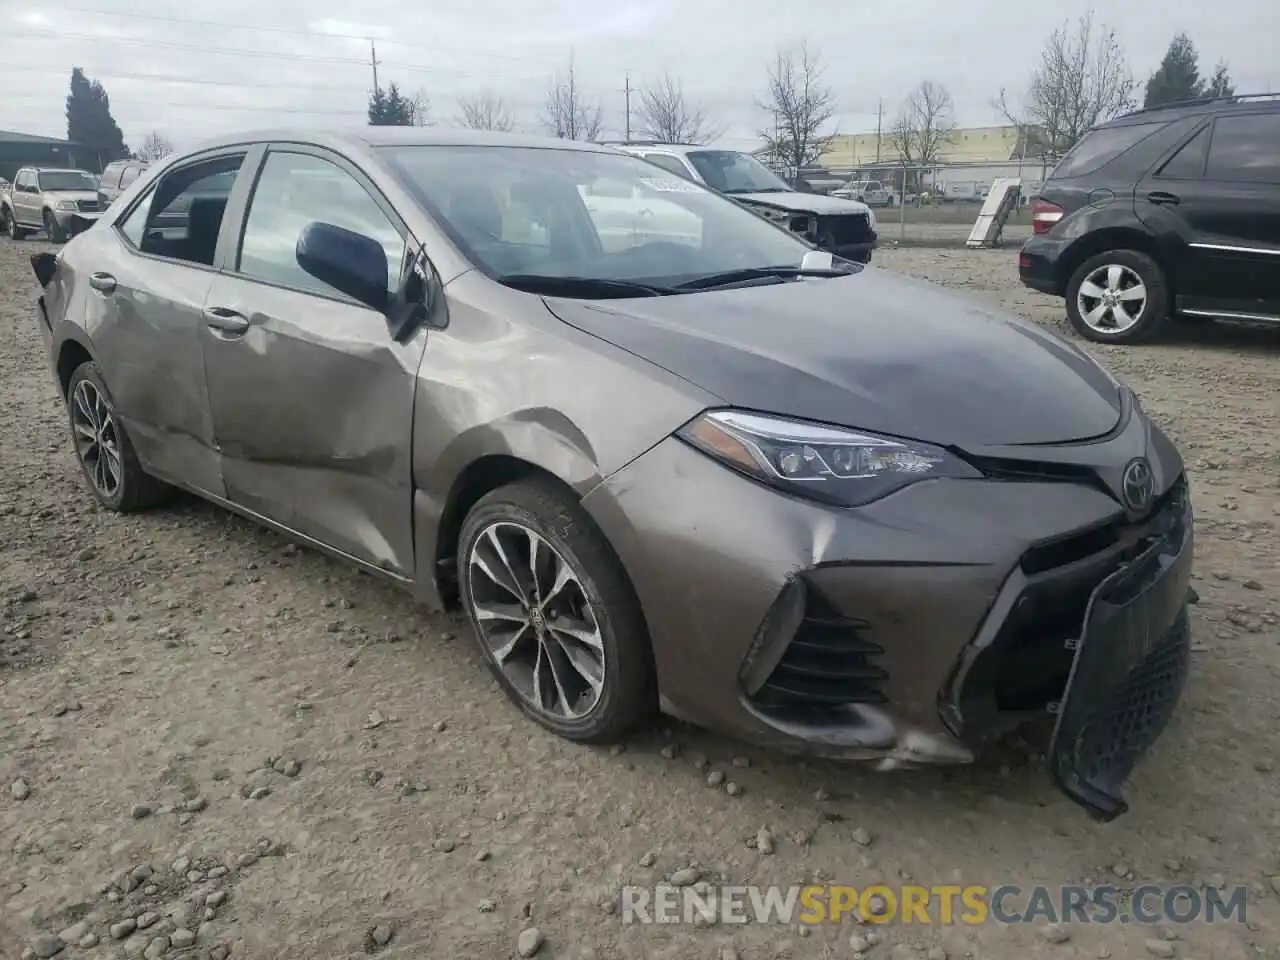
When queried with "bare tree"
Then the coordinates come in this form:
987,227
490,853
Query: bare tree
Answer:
801,106
666,115
1083,79
485,111
566,113
924,125
154,146
421,109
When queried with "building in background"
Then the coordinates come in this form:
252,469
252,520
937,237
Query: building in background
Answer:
967,162
27,150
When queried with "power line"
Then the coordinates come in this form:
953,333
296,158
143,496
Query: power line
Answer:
240,52
22,70
126,102
289,31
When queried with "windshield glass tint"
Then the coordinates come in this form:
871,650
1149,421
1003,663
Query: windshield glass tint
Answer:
67,180
577,213
731,172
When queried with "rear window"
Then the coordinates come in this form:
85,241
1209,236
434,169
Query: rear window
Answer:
1100,147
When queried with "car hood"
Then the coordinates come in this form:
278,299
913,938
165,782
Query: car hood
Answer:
873,350
72,194
802,202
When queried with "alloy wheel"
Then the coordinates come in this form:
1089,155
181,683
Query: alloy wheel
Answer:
536,621
97,441
1112,298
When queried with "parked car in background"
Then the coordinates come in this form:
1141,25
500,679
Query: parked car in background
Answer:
53,200
871,192
1168,211
844,227
117,177
818,506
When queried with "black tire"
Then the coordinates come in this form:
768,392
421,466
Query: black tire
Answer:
10,224
136,490
1146,323
55,233
629,694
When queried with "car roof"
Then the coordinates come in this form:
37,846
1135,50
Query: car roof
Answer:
56,169
1238,103
634,146
387,136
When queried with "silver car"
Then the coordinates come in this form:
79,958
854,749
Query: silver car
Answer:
680,461
59,202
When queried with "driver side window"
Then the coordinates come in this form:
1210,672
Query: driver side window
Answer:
295,189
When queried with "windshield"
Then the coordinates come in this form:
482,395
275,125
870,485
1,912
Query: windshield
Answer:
572,213
731,172
67,180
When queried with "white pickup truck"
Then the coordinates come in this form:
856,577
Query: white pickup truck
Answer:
57,201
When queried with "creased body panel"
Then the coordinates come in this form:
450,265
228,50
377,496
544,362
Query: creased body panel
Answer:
313,414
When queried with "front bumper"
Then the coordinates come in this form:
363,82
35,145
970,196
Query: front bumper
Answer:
1038,265
908,631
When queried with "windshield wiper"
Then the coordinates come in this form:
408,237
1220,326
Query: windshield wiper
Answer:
747,274
593,287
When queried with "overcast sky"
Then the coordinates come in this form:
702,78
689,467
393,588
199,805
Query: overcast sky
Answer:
181,67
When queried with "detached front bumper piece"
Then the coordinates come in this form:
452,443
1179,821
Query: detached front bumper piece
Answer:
1129,669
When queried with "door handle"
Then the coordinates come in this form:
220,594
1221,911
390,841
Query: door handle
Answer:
103,282
1160,198
225,320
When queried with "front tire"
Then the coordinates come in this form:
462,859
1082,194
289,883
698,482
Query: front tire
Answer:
55,233
555,614
1118,296
103,448
10,224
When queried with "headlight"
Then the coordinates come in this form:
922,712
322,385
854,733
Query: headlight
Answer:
67,205
825,463
871,218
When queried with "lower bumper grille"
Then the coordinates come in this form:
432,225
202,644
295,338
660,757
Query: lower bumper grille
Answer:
828,663
88,206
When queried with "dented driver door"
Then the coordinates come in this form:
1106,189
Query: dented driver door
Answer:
311,399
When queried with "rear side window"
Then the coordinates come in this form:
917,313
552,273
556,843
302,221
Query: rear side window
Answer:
1246,148
669,163
1100,147
1188,163
130,174
181,218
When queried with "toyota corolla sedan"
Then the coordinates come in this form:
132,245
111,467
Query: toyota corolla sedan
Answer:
712,471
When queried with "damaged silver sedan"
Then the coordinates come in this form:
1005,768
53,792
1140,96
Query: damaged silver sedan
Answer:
664,453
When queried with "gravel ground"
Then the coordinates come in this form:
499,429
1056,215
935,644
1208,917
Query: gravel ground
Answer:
209,732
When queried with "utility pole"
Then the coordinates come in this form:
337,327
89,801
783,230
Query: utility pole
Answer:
626,92
879,121
373,62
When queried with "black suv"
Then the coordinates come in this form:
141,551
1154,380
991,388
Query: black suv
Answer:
1173,210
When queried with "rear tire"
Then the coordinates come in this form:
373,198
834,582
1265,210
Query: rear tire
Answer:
1118,296
103,447
592,626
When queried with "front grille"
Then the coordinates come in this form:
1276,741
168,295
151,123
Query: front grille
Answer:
844,228
1125,724
1135,535
828,663
88,206
1026,667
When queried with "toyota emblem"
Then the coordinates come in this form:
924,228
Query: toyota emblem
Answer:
1137,486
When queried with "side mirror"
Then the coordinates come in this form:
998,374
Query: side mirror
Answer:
346,261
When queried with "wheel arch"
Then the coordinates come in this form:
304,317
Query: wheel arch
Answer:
71,354
1111,238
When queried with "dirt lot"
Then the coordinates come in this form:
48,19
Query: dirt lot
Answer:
154,668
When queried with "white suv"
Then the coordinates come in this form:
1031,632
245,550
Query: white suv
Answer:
847,228
870,192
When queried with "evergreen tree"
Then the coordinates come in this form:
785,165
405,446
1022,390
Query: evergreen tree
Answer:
1220,85
1177,77
391,108
90,124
